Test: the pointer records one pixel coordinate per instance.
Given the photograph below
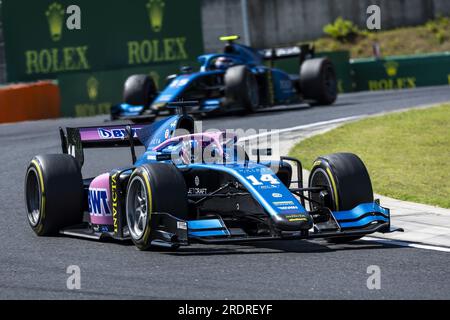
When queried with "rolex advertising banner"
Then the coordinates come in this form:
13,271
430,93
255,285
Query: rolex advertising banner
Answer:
401,72
46,38
92,93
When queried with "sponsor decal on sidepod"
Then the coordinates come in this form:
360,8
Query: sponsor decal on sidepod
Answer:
98,202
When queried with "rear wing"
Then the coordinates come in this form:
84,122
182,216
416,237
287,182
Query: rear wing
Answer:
75,140
303,52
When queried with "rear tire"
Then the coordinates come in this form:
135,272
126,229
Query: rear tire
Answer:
318,81
139,90
347,181
156,187
241,88
53,193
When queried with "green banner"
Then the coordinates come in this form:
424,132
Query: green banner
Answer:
42,42
88,94
401,72
340,61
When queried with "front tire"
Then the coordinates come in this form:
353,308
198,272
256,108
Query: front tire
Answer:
53,193
347,181
156,187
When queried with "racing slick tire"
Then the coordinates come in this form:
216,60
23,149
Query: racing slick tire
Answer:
347,181
53,193
241,88
139,90
318,81
155,187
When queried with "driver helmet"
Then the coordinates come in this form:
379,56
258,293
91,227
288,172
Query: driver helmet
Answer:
224,63
189,151
194,151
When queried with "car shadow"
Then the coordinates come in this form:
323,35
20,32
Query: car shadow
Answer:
278,247
269,110
237,114
255,248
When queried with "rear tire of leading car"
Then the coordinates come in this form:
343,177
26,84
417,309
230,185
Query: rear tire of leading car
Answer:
53,193
241,88
318,81
139,90
156,187
347,181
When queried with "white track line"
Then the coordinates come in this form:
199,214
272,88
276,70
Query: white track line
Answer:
407,244
305,126
344,119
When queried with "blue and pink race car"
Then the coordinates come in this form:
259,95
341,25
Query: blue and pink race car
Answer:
240,78
190,187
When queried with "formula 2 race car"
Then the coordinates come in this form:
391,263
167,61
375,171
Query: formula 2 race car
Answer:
196,188
237,79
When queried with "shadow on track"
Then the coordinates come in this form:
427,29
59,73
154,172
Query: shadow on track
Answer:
278,247
255,248
231,115
239,114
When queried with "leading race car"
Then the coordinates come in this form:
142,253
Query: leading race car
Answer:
192,187
237,79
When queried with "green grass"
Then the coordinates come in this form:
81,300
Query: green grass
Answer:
407,154
433,36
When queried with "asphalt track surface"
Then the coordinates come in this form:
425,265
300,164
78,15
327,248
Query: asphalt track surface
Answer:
35,268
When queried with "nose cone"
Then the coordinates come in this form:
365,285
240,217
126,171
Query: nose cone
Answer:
294,222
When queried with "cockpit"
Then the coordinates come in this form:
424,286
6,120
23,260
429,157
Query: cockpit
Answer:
207,148
233,54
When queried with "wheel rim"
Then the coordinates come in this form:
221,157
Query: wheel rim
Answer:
137,208
319,178
33,197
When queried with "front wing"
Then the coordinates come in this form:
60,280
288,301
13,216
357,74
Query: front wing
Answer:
171,232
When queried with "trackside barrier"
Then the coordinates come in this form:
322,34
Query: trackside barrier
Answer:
21,102
93,93
401,72
86,94
113,35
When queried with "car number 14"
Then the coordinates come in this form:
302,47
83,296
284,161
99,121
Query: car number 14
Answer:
265,178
